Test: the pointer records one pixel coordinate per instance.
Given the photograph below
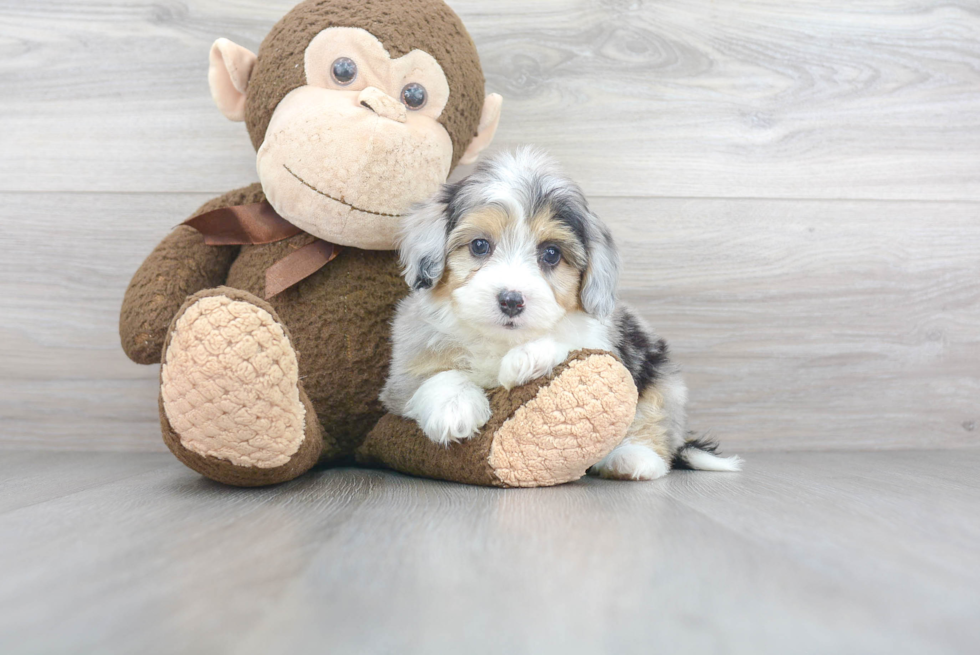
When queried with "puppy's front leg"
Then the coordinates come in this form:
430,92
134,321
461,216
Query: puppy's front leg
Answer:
449,407
530,361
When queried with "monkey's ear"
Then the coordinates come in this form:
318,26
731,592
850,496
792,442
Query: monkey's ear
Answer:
488,127
230,70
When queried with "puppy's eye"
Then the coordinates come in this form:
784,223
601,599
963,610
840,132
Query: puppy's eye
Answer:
343,71
551,255
479,247
414,96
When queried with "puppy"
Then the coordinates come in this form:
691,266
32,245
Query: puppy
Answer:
510,272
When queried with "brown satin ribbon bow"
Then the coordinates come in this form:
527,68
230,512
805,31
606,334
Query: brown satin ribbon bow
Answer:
259,224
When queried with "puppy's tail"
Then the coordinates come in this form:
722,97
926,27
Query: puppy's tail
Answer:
702,455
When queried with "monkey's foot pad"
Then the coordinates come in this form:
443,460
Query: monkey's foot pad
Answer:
567,427
548,432
230,384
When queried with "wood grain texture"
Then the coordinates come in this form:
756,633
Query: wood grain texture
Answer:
762,98
64,379
721,141
801,553
800,324
814,324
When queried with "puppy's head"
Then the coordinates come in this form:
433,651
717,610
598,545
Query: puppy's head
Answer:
514,247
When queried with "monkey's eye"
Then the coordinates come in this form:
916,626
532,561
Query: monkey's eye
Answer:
479,247
343,71
551,255
414,96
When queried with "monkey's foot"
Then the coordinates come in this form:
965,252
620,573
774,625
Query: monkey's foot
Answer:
544,433
231,404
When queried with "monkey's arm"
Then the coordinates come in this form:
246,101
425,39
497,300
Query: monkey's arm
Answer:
181,265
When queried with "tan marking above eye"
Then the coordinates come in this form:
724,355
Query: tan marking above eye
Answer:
549,231
488,223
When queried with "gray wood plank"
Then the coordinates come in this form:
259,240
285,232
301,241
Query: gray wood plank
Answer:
64,380
812,324
801,325
676,98
802,553
32,477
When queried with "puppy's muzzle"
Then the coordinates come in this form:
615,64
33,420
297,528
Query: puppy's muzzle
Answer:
511,302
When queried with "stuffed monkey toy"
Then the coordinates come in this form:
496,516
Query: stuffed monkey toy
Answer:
269,309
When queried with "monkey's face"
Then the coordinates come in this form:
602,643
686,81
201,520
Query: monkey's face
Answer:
352,127
345,155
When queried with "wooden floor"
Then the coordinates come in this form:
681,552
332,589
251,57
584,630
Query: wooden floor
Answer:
802,553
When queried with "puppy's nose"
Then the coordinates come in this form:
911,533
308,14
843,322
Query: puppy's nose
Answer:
511,302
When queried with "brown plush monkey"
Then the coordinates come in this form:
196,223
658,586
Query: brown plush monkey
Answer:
269,309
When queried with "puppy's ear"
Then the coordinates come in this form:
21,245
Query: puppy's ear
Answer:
422,241
601,277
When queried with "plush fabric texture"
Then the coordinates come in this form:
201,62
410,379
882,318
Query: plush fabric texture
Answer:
547,432
230,384
222,470
402,25
256,393
339,320
339,317
181,265
229,70
569,425
397,165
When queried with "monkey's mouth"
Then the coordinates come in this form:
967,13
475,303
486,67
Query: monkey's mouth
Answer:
327,195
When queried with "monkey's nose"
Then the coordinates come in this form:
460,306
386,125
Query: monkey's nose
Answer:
382,104
511,302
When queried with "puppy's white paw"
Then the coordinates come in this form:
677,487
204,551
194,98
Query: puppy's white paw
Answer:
632,462
529,361
449,407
